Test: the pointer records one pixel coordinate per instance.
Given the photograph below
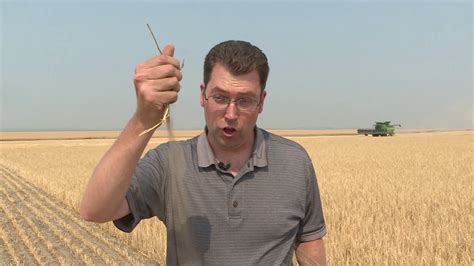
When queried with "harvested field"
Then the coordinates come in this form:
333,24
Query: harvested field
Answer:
37,229
405,199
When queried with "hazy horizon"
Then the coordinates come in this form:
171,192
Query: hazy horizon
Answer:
333,65
164,130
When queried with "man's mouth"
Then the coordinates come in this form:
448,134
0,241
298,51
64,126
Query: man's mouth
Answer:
229,131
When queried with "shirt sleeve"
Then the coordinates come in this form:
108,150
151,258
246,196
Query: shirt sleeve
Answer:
312,227
146,193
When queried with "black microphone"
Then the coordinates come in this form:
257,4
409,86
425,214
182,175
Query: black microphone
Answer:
223,166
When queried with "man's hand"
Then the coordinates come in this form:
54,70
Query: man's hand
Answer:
156,85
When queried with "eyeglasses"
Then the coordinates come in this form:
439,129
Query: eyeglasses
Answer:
244,104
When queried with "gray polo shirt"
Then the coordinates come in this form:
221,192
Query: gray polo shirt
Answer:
213,218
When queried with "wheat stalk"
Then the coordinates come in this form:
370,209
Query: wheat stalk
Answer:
166,116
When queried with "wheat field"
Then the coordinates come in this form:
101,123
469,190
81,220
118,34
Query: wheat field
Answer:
388,200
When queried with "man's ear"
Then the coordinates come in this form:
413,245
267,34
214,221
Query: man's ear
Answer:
201,97
262,100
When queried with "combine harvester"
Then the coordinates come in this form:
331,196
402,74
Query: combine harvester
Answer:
380,129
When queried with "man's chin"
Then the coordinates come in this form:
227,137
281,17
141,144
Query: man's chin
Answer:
228,143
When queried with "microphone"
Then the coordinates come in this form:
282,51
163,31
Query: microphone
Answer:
223,166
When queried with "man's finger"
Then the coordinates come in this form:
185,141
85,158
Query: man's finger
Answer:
167,84
158,72
169,49
159,60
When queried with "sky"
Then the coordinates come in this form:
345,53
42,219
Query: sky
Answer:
68,65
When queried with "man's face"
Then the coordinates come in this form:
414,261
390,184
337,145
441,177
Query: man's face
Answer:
230,127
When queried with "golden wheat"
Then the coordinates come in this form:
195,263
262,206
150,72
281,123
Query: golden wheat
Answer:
394,200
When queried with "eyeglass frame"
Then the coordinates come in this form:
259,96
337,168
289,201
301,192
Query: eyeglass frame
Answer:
235,101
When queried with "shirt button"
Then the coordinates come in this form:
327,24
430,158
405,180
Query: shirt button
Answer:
235,204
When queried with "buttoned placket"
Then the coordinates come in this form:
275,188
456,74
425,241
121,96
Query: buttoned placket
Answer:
234,189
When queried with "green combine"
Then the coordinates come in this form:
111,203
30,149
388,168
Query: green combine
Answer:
380,129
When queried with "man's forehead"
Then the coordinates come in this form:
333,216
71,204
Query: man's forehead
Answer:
220,72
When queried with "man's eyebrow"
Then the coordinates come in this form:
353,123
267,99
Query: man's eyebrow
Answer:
218,89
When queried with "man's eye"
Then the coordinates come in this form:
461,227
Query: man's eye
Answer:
220,99
244,101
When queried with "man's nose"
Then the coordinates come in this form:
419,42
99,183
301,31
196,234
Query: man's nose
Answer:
231,112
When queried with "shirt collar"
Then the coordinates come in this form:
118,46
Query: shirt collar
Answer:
206,155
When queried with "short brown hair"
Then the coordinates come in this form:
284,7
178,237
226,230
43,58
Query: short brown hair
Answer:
238,57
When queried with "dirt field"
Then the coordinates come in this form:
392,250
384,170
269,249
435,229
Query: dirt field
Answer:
405,200
36,229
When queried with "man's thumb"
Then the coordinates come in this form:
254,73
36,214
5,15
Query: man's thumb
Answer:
169,49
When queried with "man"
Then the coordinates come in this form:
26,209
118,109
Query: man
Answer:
236,194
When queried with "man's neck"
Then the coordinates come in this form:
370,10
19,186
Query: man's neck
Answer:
236,157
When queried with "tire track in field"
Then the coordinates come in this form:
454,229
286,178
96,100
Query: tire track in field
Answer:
36,229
